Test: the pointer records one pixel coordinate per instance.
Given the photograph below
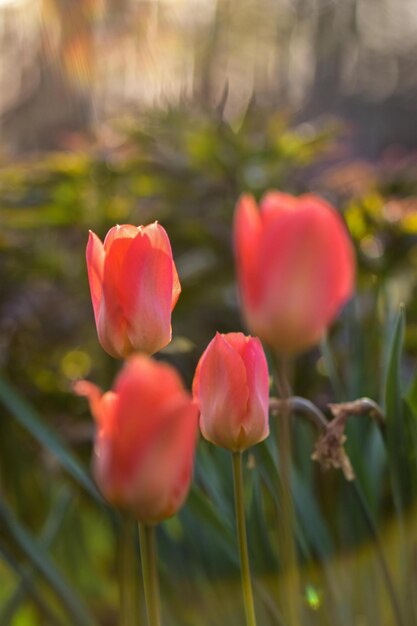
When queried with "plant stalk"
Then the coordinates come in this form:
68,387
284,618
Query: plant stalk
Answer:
242,539
291,578
150,573
128,574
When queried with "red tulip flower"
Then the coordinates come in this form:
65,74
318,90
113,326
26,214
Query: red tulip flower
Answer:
295,265
231,387
145,439
134,287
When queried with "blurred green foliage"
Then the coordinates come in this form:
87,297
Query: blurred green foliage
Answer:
58,540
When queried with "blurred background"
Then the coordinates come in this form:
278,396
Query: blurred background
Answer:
127,111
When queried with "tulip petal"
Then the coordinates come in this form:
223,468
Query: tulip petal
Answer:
160,389
159,238
104,474
147,288
307,263
247,231
95,268
93,393
152,377
158,491
123,231
288,284
275,202
103,408
176,286
337,256
257,421
112,325
222,393
238,341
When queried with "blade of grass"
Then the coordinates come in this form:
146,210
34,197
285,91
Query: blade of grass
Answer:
314,531
261,553
28,585
44,565
331,368
202,507
47,536
395,435
29,419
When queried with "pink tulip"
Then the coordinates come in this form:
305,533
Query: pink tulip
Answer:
134,287
231,386
295,265
145,439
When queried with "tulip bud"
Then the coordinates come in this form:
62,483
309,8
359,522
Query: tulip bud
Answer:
134,287
231,387
295,265
145,439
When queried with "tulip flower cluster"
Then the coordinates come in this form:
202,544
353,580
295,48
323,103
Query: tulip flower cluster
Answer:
295,270
295,267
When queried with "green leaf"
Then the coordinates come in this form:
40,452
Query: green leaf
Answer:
260,548
411,395
43,563
203,508
27,585
395,435
48,535
331,368
28,418
392,397
312,528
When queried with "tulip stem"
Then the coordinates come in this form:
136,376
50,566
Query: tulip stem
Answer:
150,573
128,596
291,579
242,539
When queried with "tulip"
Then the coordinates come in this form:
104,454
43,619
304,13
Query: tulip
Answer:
134,287
295,265
145,439
231,387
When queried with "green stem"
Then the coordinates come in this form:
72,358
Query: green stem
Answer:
242,539
128,596
150,573
291,579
